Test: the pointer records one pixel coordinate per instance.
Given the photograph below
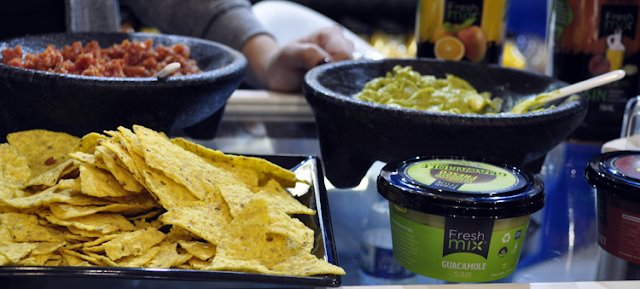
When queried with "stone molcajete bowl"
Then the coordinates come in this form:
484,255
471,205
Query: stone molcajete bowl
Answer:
31,99
353,133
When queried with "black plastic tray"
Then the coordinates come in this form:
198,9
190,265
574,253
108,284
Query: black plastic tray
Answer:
316,198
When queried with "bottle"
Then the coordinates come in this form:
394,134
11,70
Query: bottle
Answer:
587,38
468,30
377,265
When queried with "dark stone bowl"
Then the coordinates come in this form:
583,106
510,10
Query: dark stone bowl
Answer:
353,133
31,99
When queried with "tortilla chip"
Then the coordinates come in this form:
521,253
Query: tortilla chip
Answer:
105,260
105,223
88,143
67,211
134,243
224,264
70,184
236,197
46,248
73,260
306,265
43,198
43,149
245,236
50,178
88,159
34,260
262,166
203,220
282,223
100,183
166,257
282,200
182,166
15,251
92,261
139,260
126,179
26,228
169,193
14,168
203,251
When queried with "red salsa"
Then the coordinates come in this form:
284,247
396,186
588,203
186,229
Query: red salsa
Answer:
127,59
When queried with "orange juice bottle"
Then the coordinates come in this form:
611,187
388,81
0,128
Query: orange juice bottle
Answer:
591,37
471,30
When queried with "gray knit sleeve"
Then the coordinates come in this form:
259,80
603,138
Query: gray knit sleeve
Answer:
230,22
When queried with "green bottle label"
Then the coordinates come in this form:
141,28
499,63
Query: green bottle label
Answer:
465,250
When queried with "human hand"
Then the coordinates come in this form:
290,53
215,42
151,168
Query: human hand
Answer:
283,68
288,66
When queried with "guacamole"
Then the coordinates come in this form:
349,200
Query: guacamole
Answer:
404,87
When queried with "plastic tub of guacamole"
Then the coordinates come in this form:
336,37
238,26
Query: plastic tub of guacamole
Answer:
458,219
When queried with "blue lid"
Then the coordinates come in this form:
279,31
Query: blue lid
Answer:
461,187
616,173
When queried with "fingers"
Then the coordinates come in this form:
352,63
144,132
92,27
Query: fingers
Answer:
333,41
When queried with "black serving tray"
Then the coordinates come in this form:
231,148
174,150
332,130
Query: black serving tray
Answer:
315,197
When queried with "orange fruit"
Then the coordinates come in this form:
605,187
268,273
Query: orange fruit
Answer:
449,48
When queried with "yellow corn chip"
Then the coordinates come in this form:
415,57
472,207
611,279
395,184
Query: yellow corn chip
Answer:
282,200
67,211
204,220
138,261
131,139
85,233
282,223
105,223
236,197
100,183
169,193
262,166
92,261
245,236
50,178
306,265
69,184
102,259
34,260
73,260
25,228
15,251
167,257
46,248
275,250
88,159
14,169
203,251
182,166
120,151
224,264
101,240
134,243
196,263
88,143
43,149
126,179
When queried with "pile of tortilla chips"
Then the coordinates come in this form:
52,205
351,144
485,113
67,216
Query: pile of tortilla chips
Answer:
139,199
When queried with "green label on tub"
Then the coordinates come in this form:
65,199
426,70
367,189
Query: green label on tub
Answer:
465,250
462,176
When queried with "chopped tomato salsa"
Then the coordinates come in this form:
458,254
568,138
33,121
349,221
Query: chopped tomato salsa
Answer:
128,59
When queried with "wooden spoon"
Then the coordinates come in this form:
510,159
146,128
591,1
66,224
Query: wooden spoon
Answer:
590,83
